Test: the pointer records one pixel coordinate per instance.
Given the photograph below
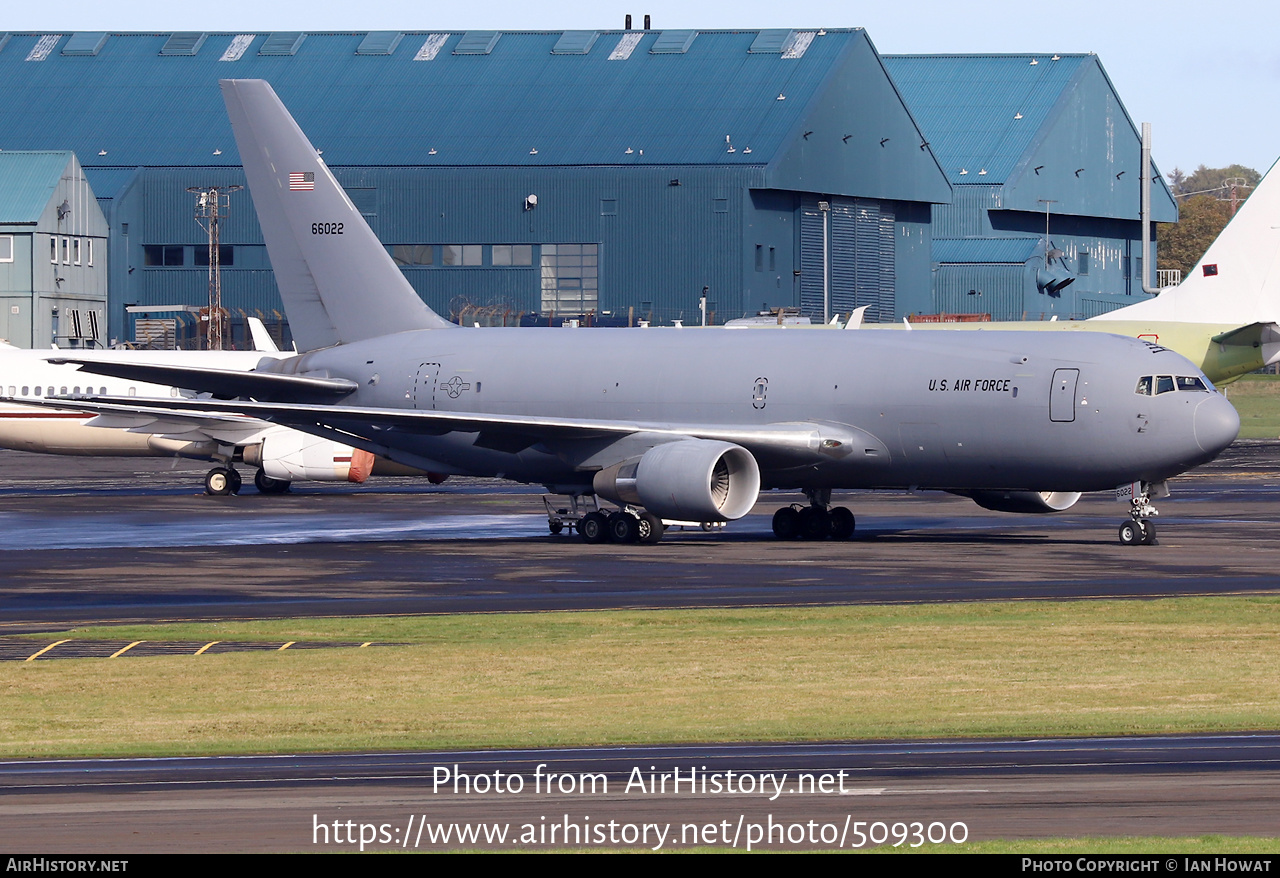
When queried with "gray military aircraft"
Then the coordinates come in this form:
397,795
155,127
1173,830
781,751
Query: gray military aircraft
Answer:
682,424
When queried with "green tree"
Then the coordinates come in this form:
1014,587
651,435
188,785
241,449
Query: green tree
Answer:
1204,207
1200,219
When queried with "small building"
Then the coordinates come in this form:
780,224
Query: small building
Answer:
1029,141
53,252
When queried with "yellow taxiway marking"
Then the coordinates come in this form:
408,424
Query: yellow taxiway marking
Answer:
201,650
32,658
363,645
286,646
120,652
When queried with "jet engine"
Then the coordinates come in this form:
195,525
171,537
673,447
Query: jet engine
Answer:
289,455
687,480
1024,501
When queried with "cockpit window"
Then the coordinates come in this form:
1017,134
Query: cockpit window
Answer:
1149,385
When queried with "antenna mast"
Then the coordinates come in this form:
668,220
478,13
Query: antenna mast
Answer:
212,204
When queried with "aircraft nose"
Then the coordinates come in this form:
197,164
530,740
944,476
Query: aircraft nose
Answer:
1216,424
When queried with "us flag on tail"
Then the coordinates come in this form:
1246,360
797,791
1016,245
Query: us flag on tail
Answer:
302,180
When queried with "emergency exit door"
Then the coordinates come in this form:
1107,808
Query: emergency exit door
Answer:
1062,396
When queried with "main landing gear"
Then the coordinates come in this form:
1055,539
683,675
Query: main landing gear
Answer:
1138,531
221,481
629,525
817,521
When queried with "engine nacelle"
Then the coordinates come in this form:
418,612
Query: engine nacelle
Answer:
1024,501
688,480
289,455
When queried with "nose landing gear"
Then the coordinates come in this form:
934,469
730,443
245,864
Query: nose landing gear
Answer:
1139,531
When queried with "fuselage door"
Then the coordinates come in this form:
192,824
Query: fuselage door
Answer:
1062,396
424,386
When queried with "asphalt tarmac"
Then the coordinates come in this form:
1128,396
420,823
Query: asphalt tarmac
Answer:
137,540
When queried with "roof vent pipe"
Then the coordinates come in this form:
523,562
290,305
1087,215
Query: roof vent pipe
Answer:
647,26
1146,209
628,21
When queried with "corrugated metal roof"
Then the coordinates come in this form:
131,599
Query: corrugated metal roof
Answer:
984,250
135,107
27,182
981,113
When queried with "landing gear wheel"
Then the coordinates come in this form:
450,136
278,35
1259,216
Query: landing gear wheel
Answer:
1137,533
815,523
555,527
623,527
1148,533
234,478
650,528
267,485
842,523
594,527
217,482
786,524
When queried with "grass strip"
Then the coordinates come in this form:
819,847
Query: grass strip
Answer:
584,678
1257,399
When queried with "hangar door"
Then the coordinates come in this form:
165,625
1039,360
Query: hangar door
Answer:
858,264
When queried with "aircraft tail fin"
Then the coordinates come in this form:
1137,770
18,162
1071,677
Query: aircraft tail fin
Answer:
1238,278
337,281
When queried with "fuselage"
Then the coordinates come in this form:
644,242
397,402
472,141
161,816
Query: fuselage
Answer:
27,374
1221,363
1008,410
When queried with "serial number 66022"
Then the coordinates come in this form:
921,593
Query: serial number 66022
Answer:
326,228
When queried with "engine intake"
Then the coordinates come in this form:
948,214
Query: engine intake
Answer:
687,480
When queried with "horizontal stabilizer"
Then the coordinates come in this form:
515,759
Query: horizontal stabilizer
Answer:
224,383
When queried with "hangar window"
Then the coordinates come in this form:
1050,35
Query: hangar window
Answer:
512,254
226,255
88,252
66,251
759,257
162,254
75,248
461,254
53,250
1082,263
6,249
412,254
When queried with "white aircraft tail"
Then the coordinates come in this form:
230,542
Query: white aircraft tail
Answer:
262,340
1238,278
337,281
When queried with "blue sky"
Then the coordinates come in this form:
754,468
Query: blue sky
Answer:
1201,73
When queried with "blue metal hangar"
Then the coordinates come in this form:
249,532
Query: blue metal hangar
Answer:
603,172
1025,139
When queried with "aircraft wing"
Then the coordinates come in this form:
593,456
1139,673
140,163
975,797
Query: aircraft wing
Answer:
227,428
780,445
224,383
